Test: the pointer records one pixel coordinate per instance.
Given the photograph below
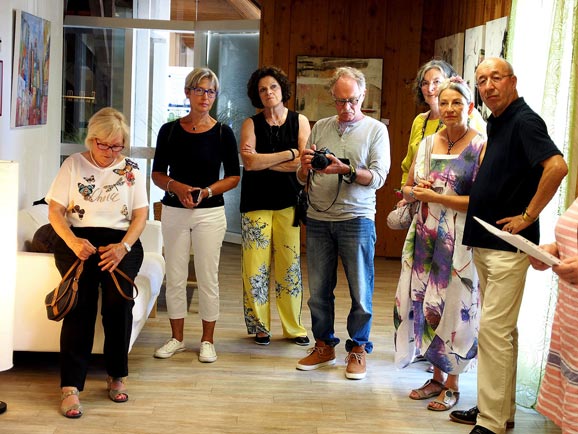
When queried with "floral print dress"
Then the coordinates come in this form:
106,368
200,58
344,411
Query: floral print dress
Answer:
437,304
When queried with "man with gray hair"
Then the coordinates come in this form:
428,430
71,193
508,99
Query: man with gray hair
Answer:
341,219
520,173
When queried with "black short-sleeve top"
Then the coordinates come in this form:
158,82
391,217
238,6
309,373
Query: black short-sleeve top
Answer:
518,142
196,159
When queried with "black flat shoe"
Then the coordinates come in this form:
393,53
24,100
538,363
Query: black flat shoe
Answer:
301,340
465,416
262,340
478,429
470,416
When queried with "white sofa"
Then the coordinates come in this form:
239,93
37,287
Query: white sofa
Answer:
37,275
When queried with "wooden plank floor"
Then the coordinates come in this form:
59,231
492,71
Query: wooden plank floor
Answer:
250,389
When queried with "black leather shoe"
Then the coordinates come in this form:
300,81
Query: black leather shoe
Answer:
478,429
262,340
465,416
301,340
469,417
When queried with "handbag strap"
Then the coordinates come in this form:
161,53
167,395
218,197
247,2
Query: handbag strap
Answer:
72,268
78,265
133,285
427,157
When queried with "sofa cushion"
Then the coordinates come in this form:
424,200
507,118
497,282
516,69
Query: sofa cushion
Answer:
29,220
44,240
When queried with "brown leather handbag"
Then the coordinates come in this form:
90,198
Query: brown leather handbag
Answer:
62,299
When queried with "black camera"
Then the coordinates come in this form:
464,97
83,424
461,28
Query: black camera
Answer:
320,160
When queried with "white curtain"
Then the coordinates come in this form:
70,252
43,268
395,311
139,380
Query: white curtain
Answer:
541,39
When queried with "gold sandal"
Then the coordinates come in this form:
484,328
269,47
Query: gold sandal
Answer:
449,398
421,392
74,407
116,395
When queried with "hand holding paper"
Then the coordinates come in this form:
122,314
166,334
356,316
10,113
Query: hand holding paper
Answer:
521,243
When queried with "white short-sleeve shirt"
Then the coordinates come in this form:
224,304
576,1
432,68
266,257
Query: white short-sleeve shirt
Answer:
99,197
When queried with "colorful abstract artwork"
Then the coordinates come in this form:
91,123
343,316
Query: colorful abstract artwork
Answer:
31,66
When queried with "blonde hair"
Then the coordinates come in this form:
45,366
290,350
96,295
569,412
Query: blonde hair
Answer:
106,124
196,75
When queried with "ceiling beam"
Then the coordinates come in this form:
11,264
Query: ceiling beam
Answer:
246,8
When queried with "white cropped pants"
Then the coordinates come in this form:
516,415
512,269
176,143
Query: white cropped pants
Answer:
201,232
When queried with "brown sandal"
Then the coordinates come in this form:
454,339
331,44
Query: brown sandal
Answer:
73,411
450,398
422,393
116,395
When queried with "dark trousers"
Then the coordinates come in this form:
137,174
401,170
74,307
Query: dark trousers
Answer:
77,334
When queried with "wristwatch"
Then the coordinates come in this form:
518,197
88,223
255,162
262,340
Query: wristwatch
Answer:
127,247
350,177
209,192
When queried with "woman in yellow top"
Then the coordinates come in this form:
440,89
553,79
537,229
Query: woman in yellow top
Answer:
428,79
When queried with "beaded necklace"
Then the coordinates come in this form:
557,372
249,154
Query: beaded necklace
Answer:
440,123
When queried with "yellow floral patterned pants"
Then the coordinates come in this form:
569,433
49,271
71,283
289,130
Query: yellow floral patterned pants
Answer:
269,236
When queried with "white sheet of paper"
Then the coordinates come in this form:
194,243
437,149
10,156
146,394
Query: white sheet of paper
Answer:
521,243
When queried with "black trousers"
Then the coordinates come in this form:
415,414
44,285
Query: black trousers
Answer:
77,334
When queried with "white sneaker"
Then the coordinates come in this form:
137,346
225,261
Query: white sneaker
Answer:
207,353
169,349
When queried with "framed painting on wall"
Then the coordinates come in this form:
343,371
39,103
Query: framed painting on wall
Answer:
31,66
312,96
474,53
496,38
451,49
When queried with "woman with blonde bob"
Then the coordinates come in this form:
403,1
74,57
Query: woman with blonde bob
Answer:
188,159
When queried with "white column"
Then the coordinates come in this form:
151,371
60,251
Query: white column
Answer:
8,231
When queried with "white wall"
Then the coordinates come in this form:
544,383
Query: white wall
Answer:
37,149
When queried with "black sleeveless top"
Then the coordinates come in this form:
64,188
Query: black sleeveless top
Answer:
268,189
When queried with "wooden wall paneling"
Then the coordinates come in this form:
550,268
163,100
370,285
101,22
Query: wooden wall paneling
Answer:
401,61
460,23
359,28
308,34
283,23
267,33
390,50
338,29
377,12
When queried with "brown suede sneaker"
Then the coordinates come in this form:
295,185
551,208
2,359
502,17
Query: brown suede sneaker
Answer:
320,355
356,363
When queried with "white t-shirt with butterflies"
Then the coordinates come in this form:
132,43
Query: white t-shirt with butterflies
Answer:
99,197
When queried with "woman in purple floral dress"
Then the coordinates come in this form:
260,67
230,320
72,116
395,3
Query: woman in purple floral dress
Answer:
437,300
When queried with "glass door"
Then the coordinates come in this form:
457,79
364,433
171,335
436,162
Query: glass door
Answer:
139,67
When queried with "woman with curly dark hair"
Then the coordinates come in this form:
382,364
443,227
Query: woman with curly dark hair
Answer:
271,142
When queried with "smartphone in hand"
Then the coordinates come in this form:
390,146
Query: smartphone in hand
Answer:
195,195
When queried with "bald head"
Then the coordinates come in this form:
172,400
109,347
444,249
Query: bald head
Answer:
496,83
496,62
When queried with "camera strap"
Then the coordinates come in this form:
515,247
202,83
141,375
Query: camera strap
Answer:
308,187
